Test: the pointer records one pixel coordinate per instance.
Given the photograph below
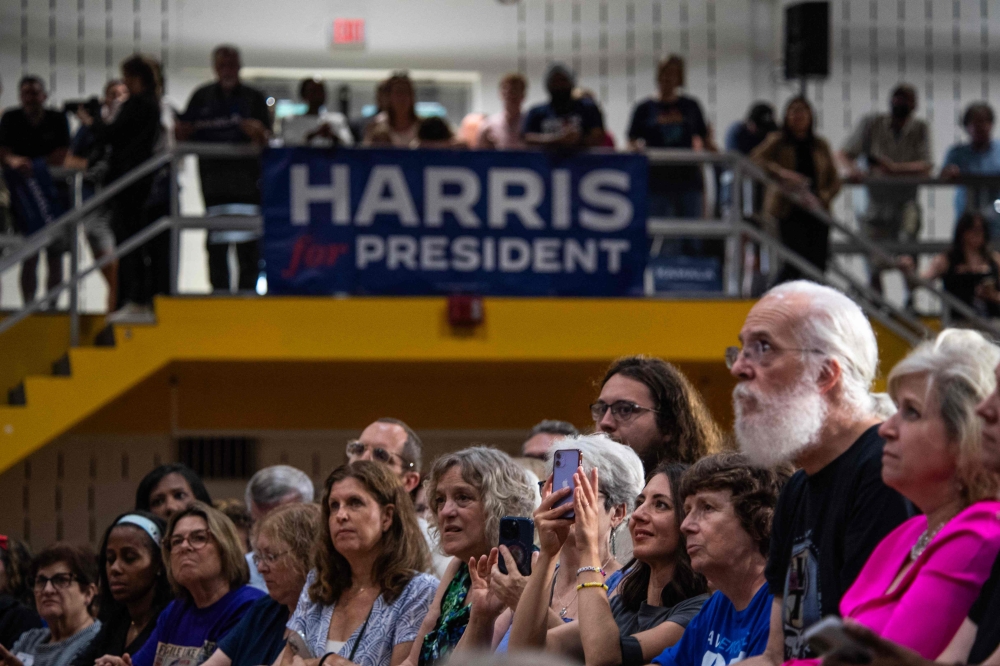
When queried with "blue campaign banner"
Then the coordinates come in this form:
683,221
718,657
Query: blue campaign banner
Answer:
409,222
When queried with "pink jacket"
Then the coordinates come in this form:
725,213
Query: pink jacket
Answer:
933,598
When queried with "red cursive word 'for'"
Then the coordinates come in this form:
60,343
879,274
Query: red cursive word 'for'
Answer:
307,254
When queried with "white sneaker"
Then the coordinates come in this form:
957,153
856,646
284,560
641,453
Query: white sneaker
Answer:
132,313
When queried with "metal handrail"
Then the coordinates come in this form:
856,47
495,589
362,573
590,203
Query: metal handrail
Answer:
732,229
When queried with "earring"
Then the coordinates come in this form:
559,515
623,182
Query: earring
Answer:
614,532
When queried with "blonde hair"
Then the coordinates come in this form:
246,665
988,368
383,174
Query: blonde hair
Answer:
227,539
297,525
959,365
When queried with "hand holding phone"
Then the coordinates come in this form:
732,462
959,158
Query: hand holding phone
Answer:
297,644
517,533
564,465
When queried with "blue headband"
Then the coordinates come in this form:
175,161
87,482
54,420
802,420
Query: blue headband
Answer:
143,523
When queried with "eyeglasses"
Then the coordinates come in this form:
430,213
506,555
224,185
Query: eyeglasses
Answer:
268,558
196,540
761,353
59,581
357,448
622,411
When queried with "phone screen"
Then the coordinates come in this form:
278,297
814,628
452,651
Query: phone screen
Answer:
564,466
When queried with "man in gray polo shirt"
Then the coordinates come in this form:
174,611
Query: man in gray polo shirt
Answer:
892,144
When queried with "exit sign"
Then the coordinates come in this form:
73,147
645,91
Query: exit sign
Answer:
349,32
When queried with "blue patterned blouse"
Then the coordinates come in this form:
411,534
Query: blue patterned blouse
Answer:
388,626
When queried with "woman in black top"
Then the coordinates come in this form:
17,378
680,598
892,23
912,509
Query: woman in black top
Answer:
17,602
133,586
132,138
970,269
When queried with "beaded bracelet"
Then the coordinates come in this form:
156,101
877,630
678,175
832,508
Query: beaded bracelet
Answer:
582,586
594,569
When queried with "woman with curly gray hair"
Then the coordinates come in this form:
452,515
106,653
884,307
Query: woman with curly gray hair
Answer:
469,491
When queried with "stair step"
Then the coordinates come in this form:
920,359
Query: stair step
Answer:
106,338
61,367
16,396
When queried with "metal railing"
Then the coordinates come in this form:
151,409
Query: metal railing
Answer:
733,229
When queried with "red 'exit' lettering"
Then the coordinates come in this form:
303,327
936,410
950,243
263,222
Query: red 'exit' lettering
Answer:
348,31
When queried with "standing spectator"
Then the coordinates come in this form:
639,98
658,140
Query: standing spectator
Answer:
130,139
268,489
17,603
650,405
671,120
318,126
65,583
805,371
894,144
399,120
502,130
359,126
803,162
563,121
970,269
90,157
745,135
981,156
435,132
469,129
132,586
29,133
544,435
228,112
169,489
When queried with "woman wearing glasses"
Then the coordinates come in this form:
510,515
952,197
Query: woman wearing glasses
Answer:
283,542
133,585
206,568
364,601
65,580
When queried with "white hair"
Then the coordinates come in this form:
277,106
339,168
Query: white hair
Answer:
272,484
884,407
621,473
834,324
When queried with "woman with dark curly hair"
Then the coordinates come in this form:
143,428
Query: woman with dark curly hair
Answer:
367,595
728,504
17,604
132,586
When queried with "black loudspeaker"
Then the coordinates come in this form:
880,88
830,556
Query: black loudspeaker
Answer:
807,40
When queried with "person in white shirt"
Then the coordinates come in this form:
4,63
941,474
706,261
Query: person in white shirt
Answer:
502,131
317,127
268,489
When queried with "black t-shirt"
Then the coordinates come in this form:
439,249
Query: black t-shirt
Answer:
671,124
580,113
986,614
28,140
825,527
15,619
216,116
111,639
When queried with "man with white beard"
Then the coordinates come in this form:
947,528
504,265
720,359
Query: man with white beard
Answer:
809,357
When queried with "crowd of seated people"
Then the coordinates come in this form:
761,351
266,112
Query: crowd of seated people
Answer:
672,545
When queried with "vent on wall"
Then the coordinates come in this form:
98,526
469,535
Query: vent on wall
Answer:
219,457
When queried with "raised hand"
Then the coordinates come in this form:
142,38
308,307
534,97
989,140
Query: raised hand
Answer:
587,505
552,527
508,587
482,598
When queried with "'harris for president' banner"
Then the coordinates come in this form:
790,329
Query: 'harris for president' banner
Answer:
401,222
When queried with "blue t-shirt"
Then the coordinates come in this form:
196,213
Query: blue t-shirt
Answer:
259,637
582,114
976,162
721,635
186,635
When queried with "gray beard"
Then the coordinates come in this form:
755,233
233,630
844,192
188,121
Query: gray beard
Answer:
779,427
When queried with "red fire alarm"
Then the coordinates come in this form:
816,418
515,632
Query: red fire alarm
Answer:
465,310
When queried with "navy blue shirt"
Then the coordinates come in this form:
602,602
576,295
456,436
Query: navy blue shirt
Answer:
582,114
719,634
670,125
259,637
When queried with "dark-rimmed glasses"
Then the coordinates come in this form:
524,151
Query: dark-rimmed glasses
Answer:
357,448
622,411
